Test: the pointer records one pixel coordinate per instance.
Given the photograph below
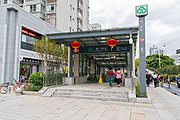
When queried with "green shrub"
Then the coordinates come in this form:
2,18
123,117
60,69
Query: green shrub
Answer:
35,88
54,78
93,78
172,78
137,89
36,79
165,76
138,93
32,88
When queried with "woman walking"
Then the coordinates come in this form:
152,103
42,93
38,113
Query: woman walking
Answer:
110,74
118,77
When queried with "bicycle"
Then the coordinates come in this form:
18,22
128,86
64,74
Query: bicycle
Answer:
18,87
4,88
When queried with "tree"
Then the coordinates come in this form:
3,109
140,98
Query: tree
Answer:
61,56
170,70
49,51
153,61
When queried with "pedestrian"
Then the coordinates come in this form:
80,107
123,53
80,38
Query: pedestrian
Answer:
148,77
155,79
161,79
169,81
118,77
110,74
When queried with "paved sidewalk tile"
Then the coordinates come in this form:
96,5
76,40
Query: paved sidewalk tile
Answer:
165,106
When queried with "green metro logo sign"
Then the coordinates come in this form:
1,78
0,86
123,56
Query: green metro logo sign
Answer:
90,50
141,10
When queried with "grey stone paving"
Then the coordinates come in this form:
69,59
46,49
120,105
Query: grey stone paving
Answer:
166,106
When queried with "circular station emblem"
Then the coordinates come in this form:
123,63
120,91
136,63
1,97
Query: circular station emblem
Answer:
90,50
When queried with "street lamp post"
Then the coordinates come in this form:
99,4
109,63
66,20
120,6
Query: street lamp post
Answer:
159,53
131,43
159,58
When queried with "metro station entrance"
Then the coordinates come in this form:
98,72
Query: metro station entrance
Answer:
95,56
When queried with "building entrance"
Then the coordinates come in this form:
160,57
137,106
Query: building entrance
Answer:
95,56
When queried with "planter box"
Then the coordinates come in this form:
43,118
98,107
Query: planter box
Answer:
68,80
128,82
81,80
147,100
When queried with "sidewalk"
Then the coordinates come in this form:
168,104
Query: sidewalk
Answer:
165,106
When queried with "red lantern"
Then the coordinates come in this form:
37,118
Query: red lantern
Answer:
112,43
75,45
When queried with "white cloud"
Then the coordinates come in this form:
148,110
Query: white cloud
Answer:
162,22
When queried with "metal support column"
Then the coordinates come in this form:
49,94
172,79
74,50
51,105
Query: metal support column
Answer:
142,55
71,62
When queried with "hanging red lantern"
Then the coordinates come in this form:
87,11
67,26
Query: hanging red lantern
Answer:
112,43
75,45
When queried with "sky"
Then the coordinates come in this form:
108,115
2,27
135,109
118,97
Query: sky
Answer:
162,23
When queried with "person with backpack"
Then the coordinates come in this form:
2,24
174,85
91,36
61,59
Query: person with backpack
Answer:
110,74
155,78
148,77
118,77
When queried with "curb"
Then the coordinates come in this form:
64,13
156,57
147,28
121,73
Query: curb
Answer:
31,93
144,100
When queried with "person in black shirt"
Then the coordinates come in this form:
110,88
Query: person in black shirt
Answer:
148,77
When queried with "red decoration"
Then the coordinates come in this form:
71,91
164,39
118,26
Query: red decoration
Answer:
112,43
75,45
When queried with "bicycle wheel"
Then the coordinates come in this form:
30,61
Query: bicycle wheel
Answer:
14,87
4,90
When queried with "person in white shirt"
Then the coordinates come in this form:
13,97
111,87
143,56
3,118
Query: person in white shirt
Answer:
118,77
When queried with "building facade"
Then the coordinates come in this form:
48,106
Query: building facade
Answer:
178,51
95,26
176,57
155,50
18,31
65,15
68,15
36,7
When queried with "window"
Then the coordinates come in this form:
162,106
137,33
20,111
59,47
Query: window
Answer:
51,20
36,8
51,8
28,38
27,42
5,1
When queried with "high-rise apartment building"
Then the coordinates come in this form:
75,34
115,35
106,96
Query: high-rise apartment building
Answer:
68,15
36,7
18,2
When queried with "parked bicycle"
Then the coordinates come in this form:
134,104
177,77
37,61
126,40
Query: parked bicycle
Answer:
18,86
4,88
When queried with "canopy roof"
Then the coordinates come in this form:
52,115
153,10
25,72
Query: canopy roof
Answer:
99,38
